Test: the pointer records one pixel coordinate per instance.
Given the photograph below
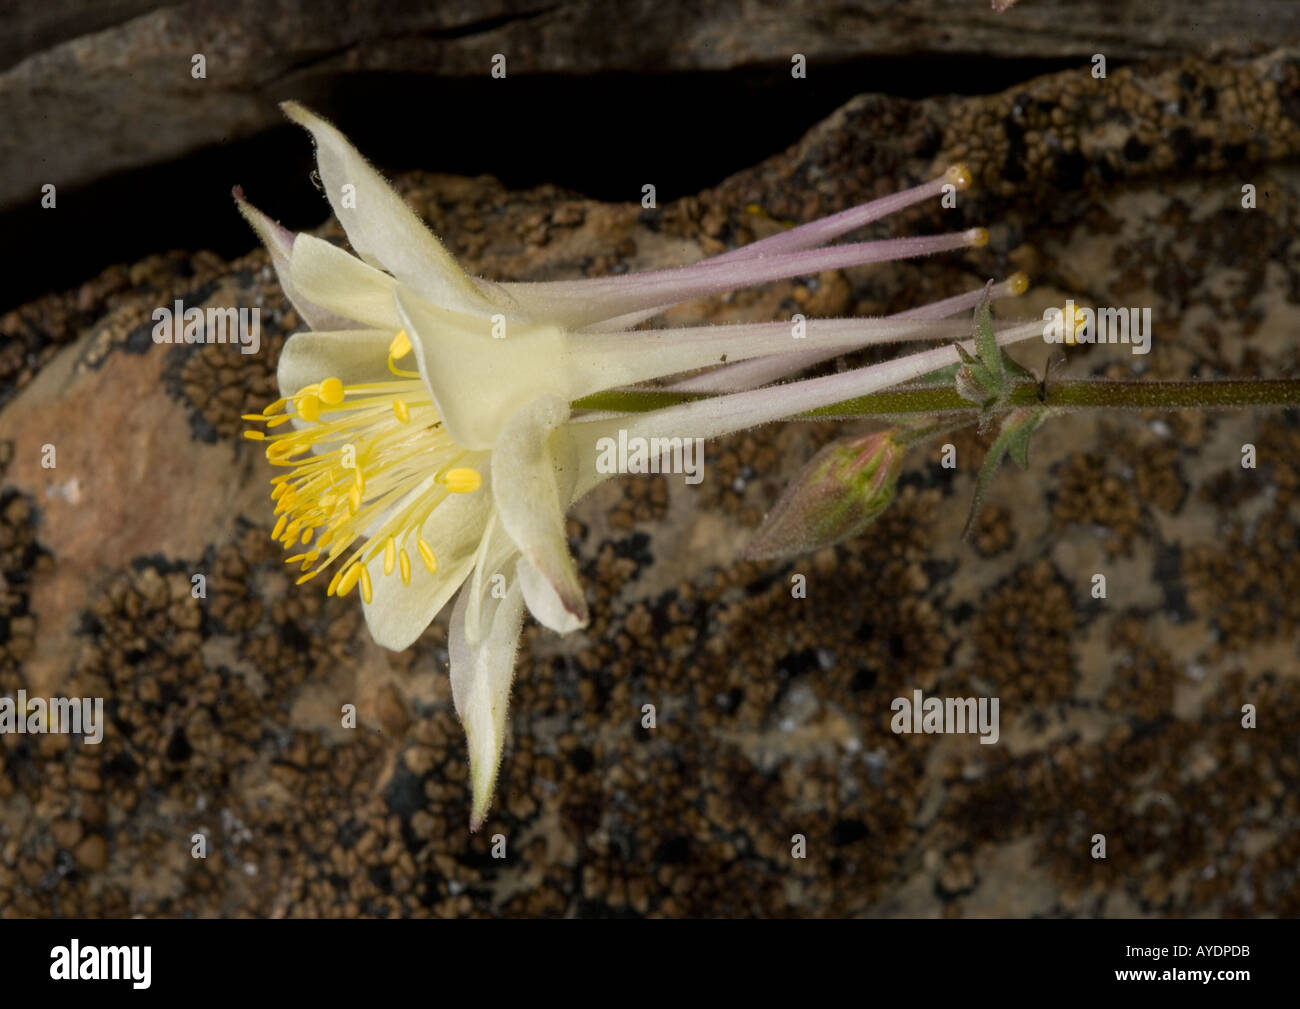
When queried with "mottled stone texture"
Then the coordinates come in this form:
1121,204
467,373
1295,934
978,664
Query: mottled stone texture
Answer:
1119,716
126,64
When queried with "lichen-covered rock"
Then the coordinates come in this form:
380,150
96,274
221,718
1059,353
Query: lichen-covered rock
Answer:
1119,716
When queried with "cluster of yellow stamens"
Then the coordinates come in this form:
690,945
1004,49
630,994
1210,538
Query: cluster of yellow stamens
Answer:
354,459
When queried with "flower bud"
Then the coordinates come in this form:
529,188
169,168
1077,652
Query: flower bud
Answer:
833,498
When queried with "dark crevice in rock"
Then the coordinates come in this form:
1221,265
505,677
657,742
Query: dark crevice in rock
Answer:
681,132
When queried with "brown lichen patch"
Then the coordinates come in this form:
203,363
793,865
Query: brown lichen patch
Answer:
1190,809
21,559
1089,493
1144,677
1157,472
739,468
1246,583
993,532
220,382
1021,638
645,499
32,334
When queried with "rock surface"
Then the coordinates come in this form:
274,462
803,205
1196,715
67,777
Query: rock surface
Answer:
1118,716
130,75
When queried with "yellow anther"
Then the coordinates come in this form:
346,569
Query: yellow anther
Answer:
959,175
278,490
325,539
307,577
354,499
279,526
390,556
1018,283
462,480
255,436
284,418
1072,322
978,237
400,347
280,451
306,535
426,551
275,407
294,559
365,584
401,412
359,481
309,407
404,564
331,392
255,417
334,582
350,577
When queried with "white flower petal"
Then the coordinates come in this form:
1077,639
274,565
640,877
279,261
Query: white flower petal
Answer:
533,476
544,603
397,614
480,687
352,356
477,381
380,226
279,243
495,557
343,284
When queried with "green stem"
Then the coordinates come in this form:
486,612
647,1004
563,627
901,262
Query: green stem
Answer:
1082,394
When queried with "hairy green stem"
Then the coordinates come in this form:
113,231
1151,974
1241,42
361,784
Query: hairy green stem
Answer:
1081,394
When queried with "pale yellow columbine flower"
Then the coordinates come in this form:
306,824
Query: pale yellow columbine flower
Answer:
426,429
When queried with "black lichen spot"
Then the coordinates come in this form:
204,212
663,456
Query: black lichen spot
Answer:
582,759
202,430
847,831
797,663
863,679
676,851
404,794
1135,150
897,646
1070,168
635,548
1167,572
1187,147
349,834
381,877
139,340
1013,169
179,749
